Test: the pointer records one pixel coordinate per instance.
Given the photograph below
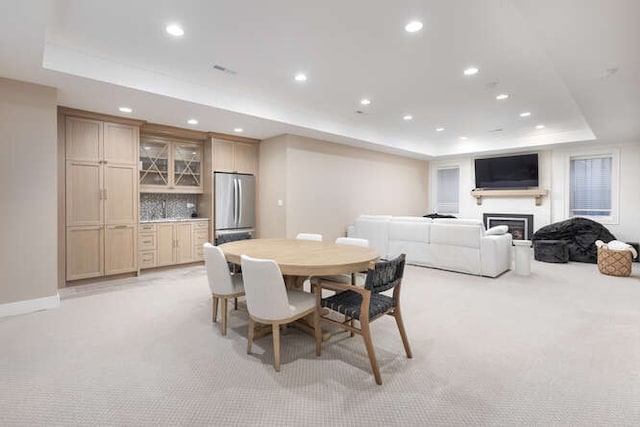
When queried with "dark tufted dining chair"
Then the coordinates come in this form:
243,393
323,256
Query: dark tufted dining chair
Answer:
367,304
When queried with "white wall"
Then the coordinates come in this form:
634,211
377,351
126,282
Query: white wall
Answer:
28,192
553,165
327,185
627,227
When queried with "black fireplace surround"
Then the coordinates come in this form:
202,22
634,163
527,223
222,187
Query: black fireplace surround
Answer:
520,225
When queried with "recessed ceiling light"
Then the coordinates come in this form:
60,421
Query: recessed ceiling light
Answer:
413,26
238,130
192,121
540,127
471,71
463,138
439,129
502,96
407,117
300,77
525,114
365,101
125,110
175,30
146,147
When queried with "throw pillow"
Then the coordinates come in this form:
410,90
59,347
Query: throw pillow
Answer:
497,230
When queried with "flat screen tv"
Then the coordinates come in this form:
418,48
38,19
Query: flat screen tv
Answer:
507,172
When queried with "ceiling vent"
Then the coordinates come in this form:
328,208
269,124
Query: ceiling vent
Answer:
224,70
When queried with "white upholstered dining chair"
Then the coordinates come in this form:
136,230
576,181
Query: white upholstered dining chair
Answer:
309,236
353,277
270,302
222,283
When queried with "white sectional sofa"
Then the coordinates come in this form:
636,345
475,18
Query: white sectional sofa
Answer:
450,244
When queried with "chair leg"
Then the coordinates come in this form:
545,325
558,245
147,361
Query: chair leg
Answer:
403,333
366,334
224,315
317,291
235,303
276,346
215,309
317,330
251,330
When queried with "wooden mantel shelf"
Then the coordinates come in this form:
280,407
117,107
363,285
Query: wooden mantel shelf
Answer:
534,192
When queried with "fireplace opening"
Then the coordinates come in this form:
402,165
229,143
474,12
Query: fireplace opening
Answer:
520,226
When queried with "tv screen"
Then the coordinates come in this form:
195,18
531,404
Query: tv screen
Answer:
507,172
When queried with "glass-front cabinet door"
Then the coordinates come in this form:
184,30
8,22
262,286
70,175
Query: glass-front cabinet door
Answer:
154,164
170,166
187,165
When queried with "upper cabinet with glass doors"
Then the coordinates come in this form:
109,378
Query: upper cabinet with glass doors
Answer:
170,166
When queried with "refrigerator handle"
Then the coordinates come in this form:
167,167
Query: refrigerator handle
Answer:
240,201
235,201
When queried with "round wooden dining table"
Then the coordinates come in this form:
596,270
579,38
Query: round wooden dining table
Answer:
303,258
300,259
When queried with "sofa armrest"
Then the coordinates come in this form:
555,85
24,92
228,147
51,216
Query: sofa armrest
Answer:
495,254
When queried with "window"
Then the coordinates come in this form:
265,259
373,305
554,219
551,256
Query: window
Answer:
448,181
592,187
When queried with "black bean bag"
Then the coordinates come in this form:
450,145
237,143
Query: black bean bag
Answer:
580,235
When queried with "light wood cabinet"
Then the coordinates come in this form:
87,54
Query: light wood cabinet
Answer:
175,243
200,237
184,242
168,166
120,194
166,244
231,156
120,249
101,193
169,243
84,193
85,252
147,246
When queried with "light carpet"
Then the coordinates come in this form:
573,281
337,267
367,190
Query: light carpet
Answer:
559,347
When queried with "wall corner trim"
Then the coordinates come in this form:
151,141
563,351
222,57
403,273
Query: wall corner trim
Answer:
29,306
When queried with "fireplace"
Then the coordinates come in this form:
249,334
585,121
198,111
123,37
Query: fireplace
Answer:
520,226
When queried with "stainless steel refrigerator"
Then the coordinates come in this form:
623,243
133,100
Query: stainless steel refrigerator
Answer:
235,202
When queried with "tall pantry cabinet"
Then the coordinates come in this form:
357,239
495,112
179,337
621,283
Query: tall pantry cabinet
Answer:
101,197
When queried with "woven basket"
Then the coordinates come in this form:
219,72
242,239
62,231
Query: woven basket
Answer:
614,263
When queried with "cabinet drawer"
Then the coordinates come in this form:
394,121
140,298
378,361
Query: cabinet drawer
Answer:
147,227
147,259
200,225
200,237
146,241
198,251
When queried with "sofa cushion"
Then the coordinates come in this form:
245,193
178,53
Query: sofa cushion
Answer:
459,221
467,236
374,228
410,229
497,230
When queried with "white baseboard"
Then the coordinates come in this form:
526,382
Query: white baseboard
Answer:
29,306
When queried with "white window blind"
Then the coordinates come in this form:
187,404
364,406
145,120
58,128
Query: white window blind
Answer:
448,189
591,179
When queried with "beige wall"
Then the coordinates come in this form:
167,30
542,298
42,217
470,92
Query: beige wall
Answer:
325,186
272,187
28,195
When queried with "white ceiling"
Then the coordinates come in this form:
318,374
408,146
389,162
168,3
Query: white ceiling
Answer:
549,55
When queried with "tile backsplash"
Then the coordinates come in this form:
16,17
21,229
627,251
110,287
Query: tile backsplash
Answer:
176,205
